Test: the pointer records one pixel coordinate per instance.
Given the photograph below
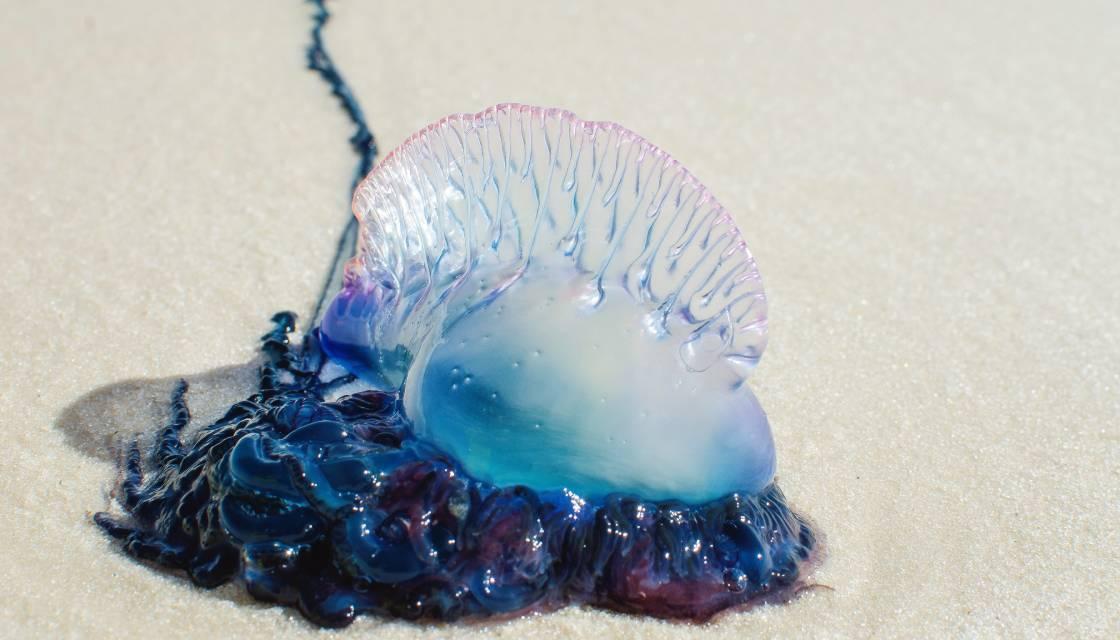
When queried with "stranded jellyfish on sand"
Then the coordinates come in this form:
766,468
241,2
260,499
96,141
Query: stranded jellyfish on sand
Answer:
529,392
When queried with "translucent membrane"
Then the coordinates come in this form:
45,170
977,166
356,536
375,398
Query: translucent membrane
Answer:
563,305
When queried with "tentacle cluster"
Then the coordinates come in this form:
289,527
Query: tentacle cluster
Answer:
335,507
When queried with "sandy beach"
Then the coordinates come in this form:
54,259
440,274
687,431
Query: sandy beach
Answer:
932,196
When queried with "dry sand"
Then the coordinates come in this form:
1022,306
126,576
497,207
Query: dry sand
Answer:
933,197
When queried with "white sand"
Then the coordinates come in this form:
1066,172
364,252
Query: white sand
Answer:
933,198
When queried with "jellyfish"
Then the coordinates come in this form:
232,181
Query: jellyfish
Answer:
529,392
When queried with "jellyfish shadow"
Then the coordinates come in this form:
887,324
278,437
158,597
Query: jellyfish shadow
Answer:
103,421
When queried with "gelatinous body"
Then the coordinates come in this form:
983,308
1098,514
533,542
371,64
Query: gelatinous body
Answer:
563,305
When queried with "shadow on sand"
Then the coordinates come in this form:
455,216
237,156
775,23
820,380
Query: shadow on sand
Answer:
100,422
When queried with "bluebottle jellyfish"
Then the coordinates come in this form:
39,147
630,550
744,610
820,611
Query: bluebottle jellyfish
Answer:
528,392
